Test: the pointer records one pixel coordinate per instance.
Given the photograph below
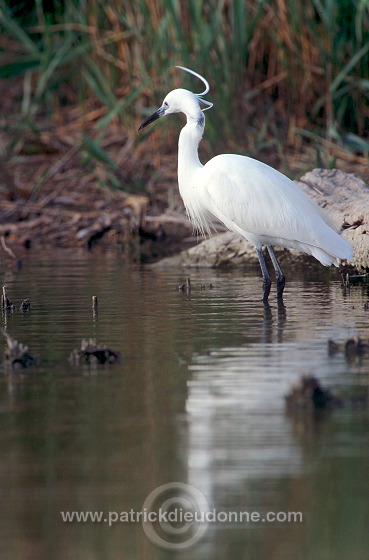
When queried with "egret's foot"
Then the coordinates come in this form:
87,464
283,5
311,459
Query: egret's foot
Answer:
266,288
281,281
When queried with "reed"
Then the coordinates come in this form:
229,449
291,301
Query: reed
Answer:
277,68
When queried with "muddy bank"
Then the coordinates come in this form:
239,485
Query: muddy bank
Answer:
66,208
48,202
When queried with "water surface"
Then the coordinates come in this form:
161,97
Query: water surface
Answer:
197,398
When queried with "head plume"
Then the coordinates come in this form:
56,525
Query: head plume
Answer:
206,90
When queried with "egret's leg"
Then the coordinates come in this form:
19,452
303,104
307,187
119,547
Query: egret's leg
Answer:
264,271
278,272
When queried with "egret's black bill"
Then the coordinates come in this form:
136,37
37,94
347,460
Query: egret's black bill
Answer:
151,119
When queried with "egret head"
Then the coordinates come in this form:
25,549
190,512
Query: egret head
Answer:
182,101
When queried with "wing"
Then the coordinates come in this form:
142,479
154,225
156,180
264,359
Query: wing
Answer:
250,196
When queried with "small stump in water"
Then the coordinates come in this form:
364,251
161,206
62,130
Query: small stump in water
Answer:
6,304
92,353
16,354
186,286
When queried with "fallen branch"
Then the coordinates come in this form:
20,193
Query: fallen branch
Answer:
6,248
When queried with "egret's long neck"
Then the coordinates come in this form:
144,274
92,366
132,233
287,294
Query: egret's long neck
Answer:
188,158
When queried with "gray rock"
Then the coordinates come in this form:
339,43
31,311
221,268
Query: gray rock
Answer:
346,198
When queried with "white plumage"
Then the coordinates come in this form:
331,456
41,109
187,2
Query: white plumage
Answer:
249,197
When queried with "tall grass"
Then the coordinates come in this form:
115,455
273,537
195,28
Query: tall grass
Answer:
278,69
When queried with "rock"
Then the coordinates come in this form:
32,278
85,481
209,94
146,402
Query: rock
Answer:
344,196
223,250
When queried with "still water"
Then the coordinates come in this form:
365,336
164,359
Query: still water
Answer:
197,399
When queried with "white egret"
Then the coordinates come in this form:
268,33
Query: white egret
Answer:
248,196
